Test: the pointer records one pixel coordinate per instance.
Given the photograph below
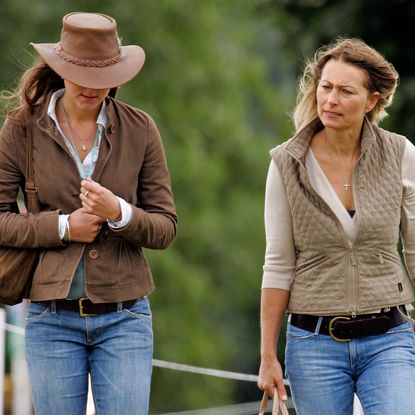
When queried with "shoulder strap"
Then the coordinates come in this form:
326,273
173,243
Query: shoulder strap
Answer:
30,186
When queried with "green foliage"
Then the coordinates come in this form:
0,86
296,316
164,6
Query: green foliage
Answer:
207,88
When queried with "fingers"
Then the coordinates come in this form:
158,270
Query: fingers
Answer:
282,393
85,218
100,201
278,404
269,388
84,227
89,184
276,388
89,194
89,188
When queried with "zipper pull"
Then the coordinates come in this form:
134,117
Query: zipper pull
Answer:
353,310
381,261
352,258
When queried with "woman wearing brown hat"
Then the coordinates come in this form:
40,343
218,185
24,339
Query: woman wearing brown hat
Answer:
105,192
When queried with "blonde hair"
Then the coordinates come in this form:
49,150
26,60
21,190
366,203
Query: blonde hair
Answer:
381,77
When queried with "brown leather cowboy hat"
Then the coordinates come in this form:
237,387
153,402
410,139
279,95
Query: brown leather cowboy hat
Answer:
90,54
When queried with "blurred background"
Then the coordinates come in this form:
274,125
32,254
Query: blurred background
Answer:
220,80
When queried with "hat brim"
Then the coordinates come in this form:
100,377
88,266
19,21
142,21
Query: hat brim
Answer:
105,77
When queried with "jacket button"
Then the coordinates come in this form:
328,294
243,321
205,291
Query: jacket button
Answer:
112,128
93,254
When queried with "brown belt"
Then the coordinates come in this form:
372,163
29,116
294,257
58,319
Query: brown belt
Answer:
345,328
86,308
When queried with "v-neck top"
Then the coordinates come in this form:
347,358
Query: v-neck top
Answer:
323,187
279,264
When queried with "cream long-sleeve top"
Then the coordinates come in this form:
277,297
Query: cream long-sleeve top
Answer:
279,263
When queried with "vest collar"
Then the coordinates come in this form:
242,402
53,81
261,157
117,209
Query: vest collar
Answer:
298,145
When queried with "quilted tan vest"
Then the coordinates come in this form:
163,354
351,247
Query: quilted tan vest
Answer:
332,277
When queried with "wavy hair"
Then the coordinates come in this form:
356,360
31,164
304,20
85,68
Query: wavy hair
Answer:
381,77
34,87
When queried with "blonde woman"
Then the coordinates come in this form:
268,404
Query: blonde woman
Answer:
339,195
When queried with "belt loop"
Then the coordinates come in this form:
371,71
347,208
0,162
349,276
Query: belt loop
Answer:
53,307
406,316
119,307
317,330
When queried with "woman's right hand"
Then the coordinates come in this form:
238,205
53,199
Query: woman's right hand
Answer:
83,226
270,377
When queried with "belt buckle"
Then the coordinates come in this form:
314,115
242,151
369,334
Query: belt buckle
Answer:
331,328
81,308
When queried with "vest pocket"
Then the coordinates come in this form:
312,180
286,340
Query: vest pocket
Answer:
383,256
312,262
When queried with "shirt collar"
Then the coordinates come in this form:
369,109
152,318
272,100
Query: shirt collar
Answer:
102,119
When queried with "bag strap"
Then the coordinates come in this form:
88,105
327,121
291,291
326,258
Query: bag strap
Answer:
278,406
30,186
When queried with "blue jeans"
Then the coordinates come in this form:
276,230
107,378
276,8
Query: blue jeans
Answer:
116,348
324,374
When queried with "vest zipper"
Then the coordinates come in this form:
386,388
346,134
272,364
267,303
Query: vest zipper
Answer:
351,281
353,258
351,273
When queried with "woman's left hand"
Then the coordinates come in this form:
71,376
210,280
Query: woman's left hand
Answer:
99,201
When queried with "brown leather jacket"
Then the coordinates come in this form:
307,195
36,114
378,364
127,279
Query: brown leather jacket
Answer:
131,164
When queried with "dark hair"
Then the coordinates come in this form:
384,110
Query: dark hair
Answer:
34,86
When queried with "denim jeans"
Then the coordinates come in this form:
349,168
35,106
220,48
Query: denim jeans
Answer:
115,348
324,374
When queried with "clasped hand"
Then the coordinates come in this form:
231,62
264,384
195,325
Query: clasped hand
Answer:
98,205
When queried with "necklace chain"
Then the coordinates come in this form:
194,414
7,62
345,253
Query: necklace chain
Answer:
71,130
347,185
87,172
346,182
